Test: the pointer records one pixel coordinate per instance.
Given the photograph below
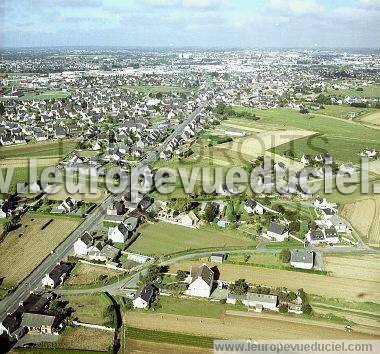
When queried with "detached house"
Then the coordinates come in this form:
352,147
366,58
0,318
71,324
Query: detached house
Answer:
252,207
302,259
68,205
277,232
119,233
144,296
202,279
57,275
83,244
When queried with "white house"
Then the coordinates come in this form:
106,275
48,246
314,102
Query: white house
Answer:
315,237
277,232
202,278
331,235
268,302
68,205
189,219
56,276
302,259
144,296
305,159
253,207
83,244
119,233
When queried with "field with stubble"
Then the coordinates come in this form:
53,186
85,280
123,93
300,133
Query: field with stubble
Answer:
243,325
29,244
364,216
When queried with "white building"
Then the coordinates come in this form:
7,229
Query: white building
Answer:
118,234
83,244
277,232
253,207
302,259
144,296
202,278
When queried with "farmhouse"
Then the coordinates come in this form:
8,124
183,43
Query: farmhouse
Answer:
277,232
266,301
40,324
83,244
144,296
302,259
202,278
57,275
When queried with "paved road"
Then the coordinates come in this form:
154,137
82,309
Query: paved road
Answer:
33,281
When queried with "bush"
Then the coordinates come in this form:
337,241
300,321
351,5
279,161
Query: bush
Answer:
285,255
283,308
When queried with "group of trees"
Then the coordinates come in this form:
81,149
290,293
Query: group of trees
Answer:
240,287
210,212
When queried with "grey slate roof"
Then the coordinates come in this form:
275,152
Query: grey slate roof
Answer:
277,228
302,256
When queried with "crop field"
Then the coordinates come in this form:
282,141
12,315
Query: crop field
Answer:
135,346
165,238
56,148
344,140
85,274
352,266
88,308
73,338
242,325
364,216
373,118
330,286
28,245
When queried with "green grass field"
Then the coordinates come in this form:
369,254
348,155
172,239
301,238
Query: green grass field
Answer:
344,140
342,111
370,91
165,238
88,308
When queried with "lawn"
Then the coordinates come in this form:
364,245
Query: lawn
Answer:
82,338
88,308
56,351
255,258
192,307
165,238
28,245
85,274
344,140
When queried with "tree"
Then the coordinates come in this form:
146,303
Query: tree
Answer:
294,226
2,109
8,225
285,255
211,210
283,308
307,309
183,204
230,212
152,273
240,287
181,275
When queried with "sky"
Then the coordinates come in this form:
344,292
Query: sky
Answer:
182,23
